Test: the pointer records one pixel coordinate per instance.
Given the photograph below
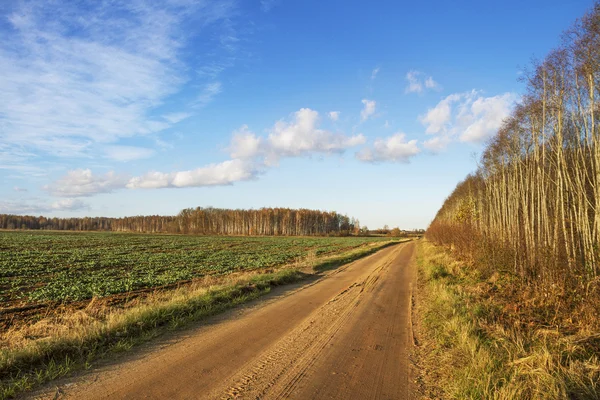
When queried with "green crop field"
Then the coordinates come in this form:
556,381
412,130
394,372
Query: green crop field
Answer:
59,266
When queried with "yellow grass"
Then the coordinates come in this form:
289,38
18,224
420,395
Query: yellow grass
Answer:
478,350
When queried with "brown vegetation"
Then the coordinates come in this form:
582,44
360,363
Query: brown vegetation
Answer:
477,339
517,314
532,209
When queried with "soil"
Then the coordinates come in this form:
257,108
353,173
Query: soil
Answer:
347,335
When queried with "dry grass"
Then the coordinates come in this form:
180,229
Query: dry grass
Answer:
56,346
476,345
66,341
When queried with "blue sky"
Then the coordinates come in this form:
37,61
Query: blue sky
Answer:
374,109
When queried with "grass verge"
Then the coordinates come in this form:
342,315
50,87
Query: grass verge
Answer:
475,344
58,346
338,260
90,338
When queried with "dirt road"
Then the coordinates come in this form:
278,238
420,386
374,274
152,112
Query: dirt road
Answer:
345,336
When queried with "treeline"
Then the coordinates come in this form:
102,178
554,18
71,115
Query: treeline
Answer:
204,221
533,205
265,221
150,224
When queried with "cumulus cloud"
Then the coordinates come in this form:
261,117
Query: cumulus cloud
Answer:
334,115
302,136
82,182
437,144
299,135
394,148
296,136
251,154
368,110
418,82
437,118
220,174
468,117
151,180
68,205
482,117
245,144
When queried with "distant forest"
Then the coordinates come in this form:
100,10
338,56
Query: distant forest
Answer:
203,221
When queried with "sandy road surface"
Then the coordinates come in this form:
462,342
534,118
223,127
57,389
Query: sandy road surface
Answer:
345,336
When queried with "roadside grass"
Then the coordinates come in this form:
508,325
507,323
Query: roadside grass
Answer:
332,262
84,337
60,345
477,345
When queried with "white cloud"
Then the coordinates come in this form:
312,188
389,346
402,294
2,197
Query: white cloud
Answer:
298,136
374,73
35,207
368,110
224,173
245,144
19,207
82,182
437,144
484,116
334,115
439,116
220,174
151,180
127,153
430,83
468,116
73,77
176,117
418,82
301,136
19,189
394,148
68,205
414,85
207,94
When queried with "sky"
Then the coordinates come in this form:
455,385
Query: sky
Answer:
372,109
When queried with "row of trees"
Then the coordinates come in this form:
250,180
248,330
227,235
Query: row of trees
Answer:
534,202
397,232
153,223
205,221
265,221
